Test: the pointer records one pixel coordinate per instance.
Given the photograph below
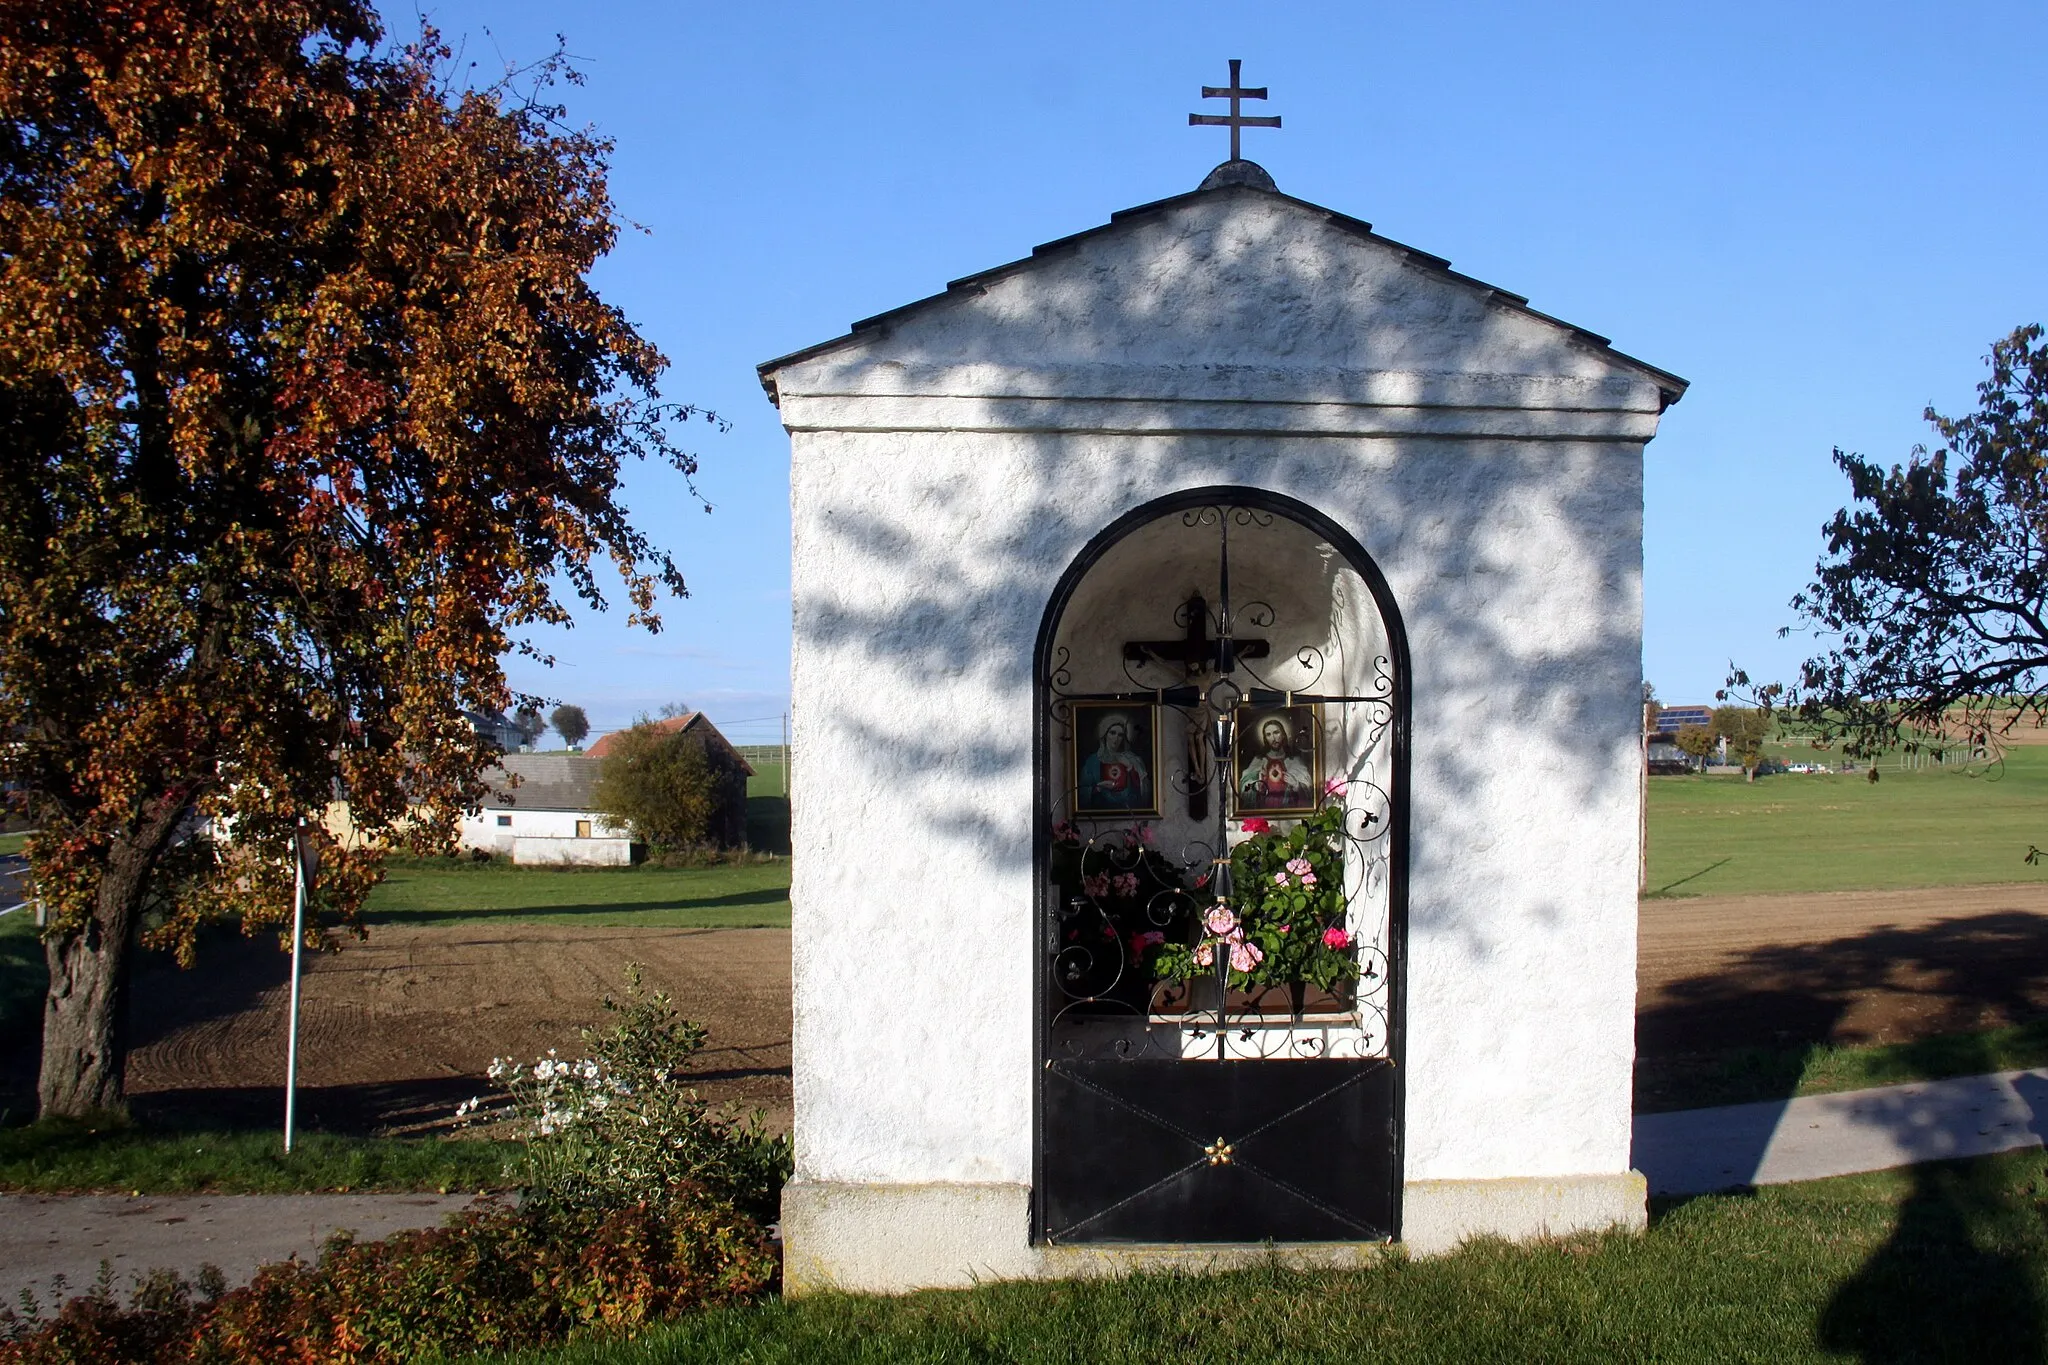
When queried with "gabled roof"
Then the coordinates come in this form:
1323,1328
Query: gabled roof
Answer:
546,782
690,720
1670,386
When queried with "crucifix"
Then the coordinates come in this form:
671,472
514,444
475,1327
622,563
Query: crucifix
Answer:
1196,653
1235,119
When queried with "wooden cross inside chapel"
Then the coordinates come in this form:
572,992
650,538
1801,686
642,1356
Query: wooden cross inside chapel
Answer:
1196,651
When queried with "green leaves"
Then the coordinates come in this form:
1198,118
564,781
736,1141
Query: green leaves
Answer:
1933,586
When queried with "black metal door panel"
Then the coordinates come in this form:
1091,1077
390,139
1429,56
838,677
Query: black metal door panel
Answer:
1218,1151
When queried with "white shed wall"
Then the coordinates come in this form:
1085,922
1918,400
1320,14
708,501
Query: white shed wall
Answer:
482,830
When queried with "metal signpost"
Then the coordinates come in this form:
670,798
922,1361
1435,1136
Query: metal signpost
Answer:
302,855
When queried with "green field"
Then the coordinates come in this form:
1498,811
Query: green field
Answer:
1839,832
737,895
768,779
1937,1263
11,843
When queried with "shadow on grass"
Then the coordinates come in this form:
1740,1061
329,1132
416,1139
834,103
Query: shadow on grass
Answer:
768,824
763,896
417,1106
1690,876
1960,1261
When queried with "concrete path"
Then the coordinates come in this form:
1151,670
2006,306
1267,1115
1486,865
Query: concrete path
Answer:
42,1236
1775,1142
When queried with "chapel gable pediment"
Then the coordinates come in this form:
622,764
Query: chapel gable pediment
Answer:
1232,294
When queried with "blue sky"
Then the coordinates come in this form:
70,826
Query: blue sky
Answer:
1820,214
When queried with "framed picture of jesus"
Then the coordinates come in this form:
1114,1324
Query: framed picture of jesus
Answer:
1115,759
1277,768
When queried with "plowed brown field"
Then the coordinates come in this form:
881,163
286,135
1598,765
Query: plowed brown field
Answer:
1840,967
398,1030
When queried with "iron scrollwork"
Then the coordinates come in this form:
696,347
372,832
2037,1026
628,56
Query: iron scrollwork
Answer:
1115,896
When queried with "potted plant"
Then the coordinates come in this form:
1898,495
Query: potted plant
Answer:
1281,922
1121,902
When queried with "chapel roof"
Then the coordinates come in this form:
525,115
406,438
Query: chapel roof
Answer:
1230,178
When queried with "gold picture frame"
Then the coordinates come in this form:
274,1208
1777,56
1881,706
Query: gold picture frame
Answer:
1113,776
1276,760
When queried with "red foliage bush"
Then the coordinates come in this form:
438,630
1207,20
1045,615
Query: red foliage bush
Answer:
495,1278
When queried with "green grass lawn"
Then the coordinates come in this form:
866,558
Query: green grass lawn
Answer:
439,891
11,843
24,978
59,1156
1838,832
1946,1262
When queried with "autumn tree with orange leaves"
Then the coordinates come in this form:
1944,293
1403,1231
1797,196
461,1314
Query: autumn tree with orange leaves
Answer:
308,404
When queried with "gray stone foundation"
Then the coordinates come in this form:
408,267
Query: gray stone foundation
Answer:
887,1239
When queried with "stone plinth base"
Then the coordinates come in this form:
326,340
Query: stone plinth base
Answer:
890,1239
1437,1215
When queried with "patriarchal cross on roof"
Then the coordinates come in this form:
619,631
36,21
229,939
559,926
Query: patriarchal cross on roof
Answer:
1235,119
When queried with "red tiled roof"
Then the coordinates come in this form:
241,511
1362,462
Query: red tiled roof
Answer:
673,725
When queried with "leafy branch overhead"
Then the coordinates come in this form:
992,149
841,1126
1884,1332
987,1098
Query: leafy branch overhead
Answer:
308,406
1934,586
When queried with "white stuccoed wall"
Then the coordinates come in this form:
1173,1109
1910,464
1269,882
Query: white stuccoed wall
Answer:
950,462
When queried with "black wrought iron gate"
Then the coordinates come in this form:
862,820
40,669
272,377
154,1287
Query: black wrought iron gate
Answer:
1194,1085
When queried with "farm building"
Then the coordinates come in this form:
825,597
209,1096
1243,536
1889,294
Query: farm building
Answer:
548,818
729,825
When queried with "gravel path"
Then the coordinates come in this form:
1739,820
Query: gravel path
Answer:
44,1236
1777,1142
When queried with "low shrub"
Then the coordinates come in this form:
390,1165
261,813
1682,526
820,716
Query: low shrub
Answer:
494,1278
639,1201
603,1129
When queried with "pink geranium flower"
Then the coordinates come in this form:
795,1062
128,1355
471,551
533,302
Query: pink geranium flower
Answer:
1095,887
1334,787
1205,955
1143,833
1333,937
1279,879
1126,883
1220,919
1255,825
1245,956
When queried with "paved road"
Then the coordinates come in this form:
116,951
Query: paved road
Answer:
43,1236
1776,1142
13,880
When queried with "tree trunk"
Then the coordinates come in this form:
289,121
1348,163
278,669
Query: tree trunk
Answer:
84,1043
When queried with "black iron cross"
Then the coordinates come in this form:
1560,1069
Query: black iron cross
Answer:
1234,120
1196,651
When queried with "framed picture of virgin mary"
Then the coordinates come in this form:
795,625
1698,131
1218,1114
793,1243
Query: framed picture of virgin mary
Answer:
1115,759
1277,766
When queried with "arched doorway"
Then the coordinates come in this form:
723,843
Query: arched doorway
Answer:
1221,786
